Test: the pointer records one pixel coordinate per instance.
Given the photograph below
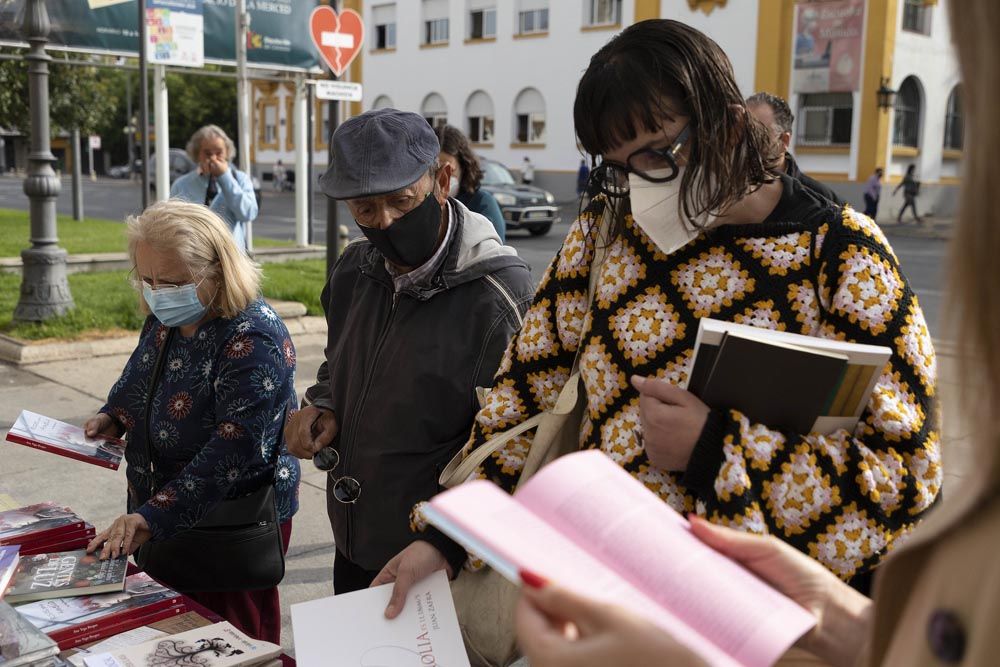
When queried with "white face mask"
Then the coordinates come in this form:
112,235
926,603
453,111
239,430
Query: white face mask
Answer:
453,187
656,208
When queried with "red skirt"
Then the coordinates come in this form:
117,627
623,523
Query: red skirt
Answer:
256,613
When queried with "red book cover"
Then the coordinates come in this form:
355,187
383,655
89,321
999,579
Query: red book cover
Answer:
118,628
51,435
62,618
60,542
40,522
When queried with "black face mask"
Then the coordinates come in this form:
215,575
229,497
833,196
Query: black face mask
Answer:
409,241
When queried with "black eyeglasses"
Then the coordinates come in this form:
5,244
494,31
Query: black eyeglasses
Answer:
345,489
611,178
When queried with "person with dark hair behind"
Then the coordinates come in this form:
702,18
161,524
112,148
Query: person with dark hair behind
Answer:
466,176
775,113
911,188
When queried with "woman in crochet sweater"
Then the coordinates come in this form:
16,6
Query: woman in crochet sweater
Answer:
703,225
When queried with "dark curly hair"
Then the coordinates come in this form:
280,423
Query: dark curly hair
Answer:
454,142
625,91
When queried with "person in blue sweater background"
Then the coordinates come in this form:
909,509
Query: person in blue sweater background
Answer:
466,175
216,183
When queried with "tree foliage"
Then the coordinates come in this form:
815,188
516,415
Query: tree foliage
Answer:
79,96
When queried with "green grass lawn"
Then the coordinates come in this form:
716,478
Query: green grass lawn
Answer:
90,235
106,303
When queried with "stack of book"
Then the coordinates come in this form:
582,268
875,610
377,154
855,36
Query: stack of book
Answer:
75,621
21,643
43,528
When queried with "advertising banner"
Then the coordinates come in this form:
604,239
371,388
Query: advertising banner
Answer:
279,34
175,33
828,39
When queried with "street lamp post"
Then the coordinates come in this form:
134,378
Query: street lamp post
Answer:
44,288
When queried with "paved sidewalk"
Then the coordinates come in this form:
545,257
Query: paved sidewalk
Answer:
930,228
74,390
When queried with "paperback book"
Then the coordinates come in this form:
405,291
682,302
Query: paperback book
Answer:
71,541
587,525
9,557
51,435
218,645
38,523
786,381
65,619
21,643
65,574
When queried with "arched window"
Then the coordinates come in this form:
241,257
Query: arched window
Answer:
383,102
909,103
954,125
529,117
434,110
479,117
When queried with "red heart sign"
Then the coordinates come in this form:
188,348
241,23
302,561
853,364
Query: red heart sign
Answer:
337,38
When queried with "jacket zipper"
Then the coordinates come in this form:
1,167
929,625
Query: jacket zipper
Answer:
360,409
508,296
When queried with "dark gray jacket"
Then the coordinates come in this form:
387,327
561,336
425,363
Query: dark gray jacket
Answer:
400,375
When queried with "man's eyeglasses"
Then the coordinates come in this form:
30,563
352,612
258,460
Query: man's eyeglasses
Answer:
611,178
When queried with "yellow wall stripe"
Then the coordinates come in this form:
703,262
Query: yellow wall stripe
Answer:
880,45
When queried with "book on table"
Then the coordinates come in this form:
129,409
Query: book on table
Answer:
57,437
9,557
21,643
70,541
790,382
65,574
216,645
78,620
38,524
587,525
426,632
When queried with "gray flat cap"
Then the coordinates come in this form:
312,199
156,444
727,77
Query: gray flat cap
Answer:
380,151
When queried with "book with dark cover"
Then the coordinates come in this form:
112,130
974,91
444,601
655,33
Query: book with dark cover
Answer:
784,386
65,574
21,643
51,435
64,618
34,523
9,557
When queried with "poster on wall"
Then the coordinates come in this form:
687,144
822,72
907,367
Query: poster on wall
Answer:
828,37
175,32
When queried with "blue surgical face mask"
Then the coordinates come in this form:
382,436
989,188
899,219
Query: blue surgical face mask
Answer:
175,306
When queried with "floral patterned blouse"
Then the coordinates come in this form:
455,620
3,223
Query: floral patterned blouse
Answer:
216,417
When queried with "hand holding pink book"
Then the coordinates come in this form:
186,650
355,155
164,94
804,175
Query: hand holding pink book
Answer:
587,525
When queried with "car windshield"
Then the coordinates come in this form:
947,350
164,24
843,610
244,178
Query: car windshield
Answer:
495,173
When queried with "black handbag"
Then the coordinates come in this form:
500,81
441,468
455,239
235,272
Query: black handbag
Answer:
236,546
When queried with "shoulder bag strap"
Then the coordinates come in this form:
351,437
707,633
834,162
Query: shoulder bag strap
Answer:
459,469
161,359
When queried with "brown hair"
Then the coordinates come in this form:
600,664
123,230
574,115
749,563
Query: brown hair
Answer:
454,142
975,273
205,244
624,91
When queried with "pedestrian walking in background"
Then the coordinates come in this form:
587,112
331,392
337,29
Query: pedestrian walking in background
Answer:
217,183
278,176
873,192
527,171
582,176
911,188
466,176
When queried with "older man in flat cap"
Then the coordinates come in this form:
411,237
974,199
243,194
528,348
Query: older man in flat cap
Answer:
419,314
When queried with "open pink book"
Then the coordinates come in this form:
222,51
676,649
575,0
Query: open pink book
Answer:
587,525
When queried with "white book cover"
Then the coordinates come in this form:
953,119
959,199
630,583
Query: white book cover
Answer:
351,629
218,645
